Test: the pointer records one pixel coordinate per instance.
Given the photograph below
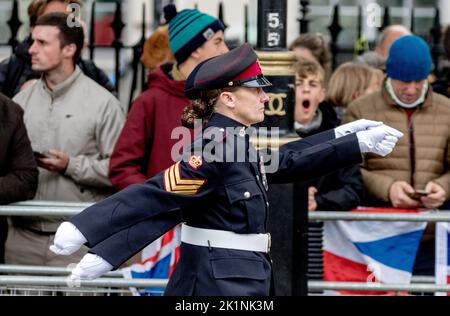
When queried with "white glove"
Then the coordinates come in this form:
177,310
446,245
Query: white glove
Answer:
90,267
68,239
355,126
380,140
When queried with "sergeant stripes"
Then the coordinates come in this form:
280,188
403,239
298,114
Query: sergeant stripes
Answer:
173,182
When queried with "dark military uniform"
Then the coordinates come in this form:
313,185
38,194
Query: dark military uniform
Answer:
218,189
215,195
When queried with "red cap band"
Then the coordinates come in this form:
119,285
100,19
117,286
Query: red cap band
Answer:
251,71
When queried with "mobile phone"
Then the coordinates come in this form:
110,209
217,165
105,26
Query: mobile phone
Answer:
418,194
39,154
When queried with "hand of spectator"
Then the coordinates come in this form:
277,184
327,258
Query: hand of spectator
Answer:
90,267
68,239
379,140
312,203
399,195
58,163
355,126
435,198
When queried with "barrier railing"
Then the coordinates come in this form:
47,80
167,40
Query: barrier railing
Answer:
49,208
64,282
359,286
44,270
432,216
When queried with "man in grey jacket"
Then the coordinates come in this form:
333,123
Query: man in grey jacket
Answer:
73,125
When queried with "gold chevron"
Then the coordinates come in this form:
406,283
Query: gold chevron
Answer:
173,182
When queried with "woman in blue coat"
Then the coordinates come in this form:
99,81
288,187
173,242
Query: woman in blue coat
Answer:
218,188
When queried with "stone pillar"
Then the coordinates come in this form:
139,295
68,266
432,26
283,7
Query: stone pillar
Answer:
287,215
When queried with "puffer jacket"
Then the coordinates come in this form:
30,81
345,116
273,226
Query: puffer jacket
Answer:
428,133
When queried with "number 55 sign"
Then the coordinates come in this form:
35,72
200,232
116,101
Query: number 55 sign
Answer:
271,25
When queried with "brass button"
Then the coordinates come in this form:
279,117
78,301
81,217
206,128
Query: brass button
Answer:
247,195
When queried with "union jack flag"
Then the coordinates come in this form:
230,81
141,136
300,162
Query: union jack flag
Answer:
158,261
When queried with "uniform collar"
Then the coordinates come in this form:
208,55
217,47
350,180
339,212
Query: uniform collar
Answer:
224,122
220,120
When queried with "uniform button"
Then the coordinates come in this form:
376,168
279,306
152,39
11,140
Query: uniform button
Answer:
247,195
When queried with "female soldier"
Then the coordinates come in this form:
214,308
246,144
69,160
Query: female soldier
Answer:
223,203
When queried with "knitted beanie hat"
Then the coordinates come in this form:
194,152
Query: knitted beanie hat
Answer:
188,30
409,59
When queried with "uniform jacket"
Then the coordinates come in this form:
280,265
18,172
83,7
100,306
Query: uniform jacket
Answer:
16,70
428,132
144,146
210,194
342,189
18,169
81,119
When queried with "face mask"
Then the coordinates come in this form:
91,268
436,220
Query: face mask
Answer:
394,97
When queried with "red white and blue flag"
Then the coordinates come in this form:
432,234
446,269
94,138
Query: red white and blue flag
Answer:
158,261
370,251
442,255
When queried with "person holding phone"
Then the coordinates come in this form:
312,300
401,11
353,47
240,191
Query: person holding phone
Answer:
73,124
417,174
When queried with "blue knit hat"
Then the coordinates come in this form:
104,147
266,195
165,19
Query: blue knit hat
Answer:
409,59
188,30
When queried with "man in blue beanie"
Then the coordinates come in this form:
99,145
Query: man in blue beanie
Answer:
144,146
416,174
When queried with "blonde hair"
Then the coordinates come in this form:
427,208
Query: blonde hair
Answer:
349,79
305,67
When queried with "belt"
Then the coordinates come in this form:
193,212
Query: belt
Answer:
225,239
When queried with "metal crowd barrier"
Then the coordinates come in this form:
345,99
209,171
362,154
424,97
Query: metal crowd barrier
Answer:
112,280
44,270
359,286
432,216
20,285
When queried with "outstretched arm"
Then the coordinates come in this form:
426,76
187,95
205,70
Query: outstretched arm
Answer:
178,185
297,161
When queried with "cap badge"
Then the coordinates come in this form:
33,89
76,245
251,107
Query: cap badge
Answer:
195,162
